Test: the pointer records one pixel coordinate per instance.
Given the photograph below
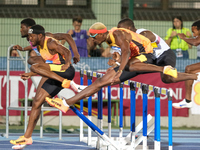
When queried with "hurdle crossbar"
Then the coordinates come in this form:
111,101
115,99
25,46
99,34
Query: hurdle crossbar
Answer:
129,142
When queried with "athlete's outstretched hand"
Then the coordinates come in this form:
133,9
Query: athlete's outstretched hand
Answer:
76,58
111,62
65,66
181,35
25,76
116,77
17,47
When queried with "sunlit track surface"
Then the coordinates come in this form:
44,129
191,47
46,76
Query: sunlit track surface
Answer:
182,140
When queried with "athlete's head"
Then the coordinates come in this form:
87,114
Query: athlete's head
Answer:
97,32
196,28
177,22
77,22
25,26
126,23
36,33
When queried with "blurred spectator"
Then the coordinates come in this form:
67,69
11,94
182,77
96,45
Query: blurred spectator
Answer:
32,53
179,46
80,37
14,53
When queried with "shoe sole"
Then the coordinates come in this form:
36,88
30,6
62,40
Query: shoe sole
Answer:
178,107
53,105
19,146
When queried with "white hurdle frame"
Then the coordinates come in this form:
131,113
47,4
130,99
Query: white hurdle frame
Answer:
129,141
25,108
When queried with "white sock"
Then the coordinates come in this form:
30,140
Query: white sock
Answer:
77,87
65,103
72,82
198,76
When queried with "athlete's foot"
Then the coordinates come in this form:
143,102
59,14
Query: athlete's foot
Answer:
77,87
58,103
66,83
21,142
182,104
169,70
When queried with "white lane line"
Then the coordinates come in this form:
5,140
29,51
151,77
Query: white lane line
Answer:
59,143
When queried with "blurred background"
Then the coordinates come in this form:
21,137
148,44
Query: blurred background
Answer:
56,16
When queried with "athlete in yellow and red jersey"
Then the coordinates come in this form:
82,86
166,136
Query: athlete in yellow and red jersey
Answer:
48,56
138,44
135,49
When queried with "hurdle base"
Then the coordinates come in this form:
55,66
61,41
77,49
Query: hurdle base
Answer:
124,142
106,146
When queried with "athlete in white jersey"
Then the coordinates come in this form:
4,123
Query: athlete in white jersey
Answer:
159,45
164,55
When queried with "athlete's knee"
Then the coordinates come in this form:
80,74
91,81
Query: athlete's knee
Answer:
187,69
168,79
35,59
31,60
34,67
37,103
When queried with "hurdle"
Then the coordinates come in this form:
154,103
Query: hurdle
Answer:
130,141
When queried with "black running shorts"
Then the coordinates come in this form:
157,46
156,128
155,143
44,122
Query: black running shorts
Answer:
166,58
53,87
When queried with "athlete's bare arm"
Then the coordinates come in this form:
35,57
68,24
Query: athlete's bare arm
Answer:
26,76
70,32
149,35
191,41
122,40
66,37
55,47
27,48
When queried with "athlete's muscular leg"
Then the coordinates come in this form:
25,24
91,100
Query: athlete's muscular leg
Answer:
94,87
181,77
43,69
194,68
35,59
136,65
36,108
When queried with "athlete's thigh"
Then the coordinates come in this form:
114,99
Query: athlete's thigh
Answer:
43,66
35,59
143,58
67,74
51,86
194,67
126,75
